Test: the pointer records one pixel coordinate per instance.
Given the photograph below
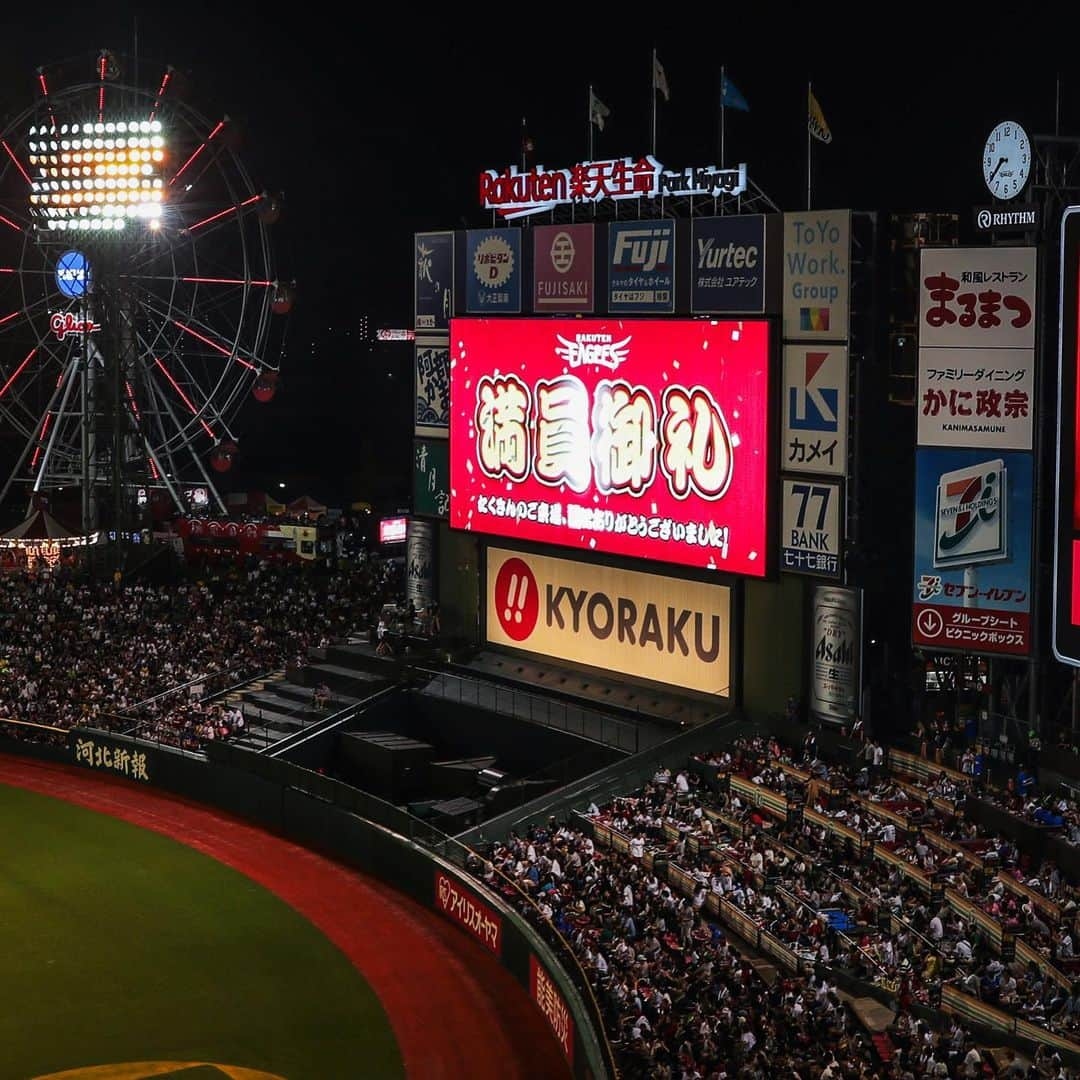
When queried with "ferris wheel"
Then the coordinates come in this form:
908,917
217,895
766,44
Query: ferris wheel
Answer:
139,303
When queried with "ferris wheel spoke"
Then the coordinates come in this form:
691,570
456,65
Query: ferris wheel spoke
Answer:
198,151
198,411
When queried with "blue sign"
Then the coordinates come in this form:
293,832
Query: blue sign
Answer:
433,277
641,266
73,274
972,580
493,271
727,261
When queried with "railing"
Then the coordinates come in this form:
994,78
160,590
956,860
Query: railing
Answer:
560,715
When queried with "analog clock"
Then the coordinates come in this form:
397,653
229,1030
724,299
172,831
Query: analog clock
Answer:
1007,160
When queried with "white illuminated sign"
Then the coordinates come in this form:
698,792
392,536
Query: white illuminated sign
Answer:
513,193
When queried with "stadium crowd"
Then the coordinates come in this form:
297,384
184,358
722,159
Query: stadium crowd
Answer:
101,653
683,1002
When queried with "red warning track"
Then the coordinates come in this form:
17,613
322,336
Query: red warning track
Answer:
453,1009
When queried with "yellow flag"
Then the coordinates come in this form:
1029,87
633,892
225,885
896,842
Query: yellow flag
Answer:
816,119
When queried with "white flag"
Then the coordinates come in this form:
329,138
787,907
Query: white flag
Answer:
598,111
660,79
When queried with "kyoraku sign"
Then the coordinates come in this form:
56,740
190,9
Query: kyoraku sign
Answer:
657,628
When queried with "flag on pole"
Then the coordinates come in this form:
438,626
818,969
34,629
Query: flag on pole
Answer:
730,98
659,78
527,143
598,111
816,119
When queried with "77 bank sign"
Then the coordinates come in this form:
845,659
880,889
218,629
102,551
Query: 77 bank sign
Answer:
636,437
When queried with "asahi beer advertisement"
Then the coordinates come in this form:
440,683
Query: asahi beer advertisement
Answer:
645,626
972,575
563,269
420,565
493,271
836,663
641,266
641,437
728,264
433,280
817,275
432,387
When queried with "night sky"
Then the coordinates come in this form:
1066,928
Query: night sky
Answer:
376,126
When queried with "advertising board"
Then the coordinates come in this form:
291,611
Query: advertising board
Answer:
634,437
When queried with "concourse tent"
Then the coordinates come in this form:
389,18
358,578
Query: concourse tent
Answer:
307,505
40,537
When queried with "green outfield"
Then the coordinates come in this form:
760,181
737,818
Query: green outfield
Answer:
121,946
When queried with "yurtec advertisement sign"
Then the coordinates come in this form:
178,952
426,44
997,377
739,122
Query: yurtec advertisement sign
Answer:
649,627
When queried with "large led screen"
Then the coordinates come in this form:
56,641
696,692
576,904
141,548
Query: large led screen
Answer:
638,437
1066,613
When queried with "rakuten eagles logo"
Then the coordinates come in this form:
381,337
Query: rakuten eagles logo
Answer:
600,349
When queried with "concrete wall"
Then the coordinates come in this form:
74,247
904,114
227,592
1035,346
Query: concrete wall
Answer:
774,644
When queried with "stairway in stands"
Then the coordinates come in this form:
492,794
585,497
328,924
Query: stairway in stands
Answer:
281,704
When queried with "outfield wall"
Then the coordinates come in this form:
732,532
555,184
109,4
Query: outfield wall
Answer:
375,838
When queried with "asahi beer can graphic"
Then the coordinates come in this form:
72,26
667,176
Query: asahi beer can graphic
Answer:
836,662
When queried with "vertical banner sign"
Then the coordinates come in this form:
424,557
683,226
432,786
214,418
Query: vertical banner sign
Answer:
432,387
815,409
433,280
817,281
810,516
972,587
977,298
563,268
976,397
493,271
641,266
836,663
728,263
419,563
1066,606
431,478
553,1005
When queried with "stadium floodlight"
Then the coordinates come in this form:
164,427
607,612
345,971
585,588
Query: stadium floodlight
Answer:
83,182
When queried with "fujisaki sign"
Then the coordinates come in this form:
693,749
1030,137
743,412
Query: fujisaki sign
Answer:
635,437
513,193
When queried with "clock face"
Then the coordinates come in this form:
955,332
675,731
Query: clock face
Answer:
1007,160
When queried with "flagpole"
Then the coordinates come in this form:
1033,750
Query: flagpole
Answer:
654,103
721,116
809,91
588,114
523,130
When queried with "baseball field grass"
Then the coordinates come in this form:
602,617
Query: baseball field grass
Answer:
121,945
